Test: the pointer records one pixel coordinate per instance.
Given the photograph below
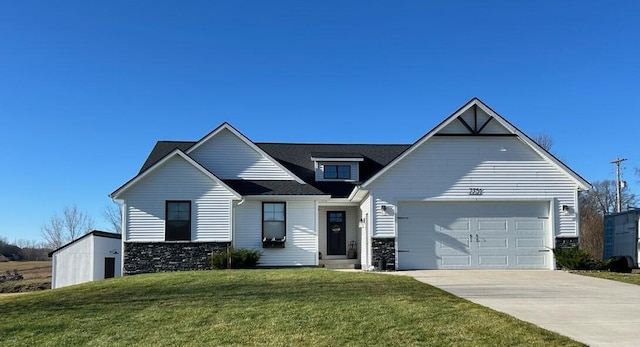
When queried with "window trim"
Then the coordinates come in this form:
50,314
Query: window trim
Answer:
274,242
166,219
337,171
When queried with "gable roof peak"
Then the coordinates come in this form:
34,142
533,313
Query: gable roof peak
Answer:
580,181
181,154
227,126
475,101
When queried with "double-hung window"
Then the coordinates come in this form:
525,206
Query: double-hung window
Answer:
178,221
274,223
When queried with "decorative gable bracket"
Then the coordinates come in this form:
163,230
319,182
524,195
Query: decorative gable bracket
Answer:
475,130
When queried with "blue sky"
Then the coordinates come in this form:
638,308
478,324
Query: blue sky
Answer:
86,88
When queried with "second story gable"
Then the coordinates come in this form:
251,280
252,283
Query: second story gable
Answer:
317,169
230,155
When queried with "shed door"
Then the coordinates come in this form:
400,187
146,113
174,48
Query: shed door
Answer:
474,235
109,267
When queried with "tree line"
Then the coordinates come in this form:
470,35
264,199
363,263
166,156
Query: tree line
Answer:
60,229
23,250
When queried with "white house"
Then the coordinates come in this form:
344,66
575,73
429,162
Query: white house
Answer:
472,193
94,256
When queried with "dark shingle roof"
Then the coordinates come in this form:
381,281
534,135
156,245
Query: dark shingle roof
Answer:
297,158
335,155
247,187
93,232
161,149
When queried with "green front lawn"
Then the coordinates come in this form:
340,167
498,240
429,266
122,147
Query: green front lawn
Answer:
292,307
632,278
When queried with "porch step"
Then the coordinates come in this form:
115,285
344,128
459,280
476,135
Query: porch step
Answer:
340,263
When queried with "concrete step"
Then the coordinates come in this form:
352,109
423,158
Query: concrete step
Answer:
340,263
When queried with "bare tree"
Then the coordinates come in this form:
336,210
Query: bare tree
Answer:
544,140
604,193
113,214
53,231
591,225
72,224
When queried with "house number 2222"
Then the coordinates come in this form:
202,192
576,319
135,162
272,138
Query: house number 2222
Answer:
476,191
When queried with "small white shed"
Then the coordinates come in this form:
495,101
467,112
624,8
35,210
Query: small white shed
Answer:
94,256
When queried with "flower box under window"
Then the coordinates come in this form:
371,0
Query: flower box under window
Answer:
273,242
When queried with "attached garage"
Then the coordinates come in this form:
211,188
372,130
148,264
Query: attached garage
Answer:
474,235
473,193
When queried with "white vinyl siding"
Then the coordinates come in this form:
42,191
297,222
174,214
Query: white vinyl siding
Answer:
302,239
385,218
228,157
447,167
177,179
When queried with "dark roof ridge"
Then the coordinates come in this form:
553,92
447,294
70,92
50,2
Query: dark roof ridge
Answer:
177,141
94,232
332,144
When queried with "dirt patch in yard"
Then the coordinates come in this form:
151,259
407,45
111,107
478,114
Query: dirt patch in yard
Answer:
36,276
24,286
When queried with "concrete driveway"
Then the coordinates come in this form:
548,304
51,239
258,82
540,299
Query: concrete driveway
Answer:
590,310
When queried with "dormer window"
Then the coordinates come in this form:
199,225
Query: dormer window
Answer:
337,167
332,172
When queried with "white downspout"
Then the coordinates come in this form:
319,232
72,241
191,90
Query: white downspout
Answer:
233,222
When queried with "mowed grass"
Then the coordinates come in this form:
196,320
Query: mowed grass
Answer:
632,278
283,307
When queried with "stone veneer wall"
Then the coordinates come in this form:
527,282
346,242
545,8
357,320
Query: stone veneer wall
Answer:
566,242
385,249
144,257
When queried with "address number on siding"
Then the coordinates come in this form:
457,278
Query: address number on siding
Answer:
476,191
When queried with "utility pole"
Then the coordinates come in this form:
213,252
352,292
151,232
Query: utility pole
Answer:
618,183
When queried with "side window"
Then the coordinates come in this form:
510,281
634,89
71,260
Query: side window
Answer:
178,221
274,224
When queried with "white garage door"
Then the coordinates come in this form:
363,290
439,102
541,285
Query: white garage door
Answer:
492,235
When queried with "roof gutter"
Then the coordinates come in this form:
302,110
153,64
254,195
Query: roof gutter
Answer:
287,197
355,191
358,193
